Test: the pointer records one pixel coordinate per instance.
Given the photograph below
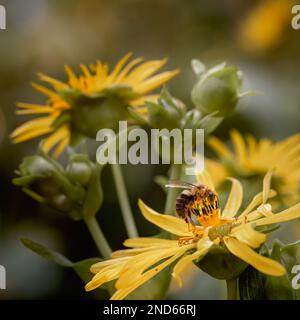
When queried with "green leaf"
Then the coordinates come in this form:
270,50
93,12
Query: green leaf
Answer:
198,67
82,268
46,253
210,122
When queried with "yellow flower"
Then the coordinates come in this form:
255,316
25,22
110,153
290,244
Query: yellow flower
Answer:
251,157
135,76
148,256
263,28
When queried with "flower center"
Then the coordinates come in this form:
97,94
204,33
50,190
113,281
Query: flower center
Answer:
220,231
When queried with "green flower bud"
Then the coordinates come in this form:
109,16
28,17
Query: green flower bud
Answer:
75,191
221,264
166,113
79,170
217,89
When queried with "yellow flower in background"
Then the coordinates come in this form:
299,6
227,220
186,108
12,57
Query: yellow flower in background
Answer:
148,256
255,157
136,75
263,28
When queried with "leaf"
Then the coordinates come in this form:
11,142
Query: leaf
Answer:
198,67
46,253
82,268
210,122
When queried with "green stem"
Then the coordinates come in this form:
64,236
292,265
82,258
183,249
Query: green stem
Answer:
124,201
98,237
231,289
175,173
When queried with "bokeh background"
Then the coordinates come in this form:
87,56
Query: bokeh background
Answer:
43,35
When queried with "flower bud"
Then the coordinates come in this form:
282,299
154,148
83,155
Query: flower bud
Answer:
79,169
217,89
75,191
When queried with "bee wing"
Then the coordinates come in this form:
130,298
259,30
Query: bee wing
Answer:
179,184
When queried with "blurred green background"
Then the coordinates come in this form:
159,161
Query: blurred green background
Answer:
43,35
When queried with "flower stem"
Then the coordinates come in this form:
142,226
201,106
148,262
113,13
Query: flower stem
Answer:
98,237
231,289
175,173
124,202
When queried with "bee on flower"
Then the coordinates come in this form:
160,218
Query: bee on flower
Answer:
96,99
228,229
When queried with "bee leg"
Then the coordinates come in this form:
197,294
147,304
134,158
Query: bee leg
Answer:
185,240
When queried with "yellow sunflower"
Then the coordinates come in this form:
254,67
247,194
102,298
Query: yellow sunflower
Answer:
132,80
264,27
148,256
251,157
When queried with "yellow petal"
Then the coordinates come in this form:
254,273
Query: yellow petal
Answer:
171,224
122,293
106,274
261,263
136,266
286,215
264,210
256,201
95,268
234,200
202,248
130,252
216,170
119,66
73,81
56,137
57,85
31,134
251,145
239,146
155,81
35,124
219,147
49,93
204,177
61,147
145,70
141,101
246,234
122,75
148,242
267,185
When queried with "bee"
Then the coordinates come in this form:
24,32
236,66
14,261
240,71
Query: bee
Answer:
198,201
